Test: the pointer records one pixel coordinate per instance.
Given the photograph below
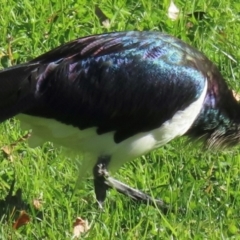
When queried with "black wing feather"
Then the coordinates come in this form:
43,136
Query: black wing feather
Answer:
126,82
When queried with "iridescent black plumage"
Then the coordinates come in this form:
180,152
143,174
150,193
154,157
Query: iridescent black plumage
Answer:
116,78
128,84
218,123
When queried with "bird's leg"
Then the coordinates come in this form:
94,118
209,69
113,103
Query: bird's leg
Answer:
102,181
100,173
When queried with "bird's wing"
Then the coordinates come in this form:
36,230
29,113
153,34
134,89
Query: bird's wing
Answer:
126,82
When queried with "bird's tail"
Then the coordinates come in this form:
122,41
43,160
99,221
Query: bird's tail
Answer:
17,85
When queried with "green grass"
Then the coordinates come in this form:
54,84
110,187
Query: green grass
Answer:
206,184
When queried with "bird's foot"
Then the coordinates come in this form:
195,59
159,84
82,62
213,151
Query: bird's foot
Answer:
135,194
102,182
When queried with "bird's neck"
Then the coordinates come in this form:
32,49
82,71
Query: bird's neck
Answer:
218,123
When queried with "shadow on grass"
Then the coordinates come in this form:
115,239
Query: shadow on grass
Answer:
13,204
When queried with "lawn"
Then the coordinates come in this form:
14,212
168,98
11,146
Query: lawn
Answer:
204,183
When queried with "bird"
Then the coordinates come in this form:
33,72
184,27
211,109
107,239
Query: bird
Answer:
118,96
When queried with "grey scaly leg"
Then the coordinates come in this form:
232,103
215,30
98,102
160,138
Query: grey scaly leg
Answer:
102,182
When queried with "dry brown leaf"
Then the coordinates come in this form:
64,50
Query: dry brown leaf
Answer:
23,219
37,203
7,150
80,226
106,23
173,11
236,95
